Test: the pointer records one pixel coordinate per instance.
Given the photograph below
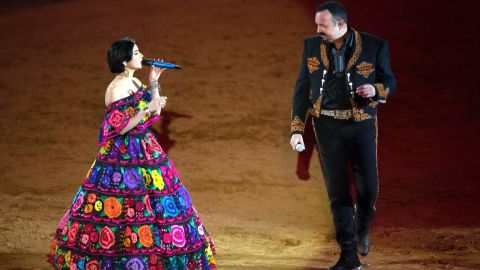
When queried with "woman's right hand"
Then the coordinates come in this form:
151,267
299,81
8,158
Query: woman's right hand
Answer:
157,103
155,73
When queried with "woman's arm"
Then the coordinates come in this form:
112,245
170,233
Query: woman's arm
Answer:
133,122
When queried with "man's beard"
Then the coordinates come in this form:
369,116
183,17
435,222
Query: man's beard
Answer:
324,37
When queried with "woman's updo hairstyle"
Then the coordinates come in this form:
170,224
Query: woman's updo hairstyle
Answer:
120,51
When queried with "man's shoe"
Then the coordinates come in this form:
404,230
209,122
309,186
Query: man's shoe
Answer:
339,267
363,244
348,261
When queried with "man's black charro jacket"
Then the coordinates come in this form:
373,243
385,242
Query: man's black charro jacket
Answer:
369,64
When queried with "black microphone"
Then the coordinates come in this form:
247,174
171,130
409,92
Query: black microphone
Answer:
155,63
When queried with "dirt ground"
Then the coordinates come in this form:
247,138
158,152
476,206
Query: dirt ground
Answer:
227,126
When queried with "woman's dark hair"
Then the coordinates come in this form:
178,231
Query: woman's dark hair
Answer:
121,50
336,8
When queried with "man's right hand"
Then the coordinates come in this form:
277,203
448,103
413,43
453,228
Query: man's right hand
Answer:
296,139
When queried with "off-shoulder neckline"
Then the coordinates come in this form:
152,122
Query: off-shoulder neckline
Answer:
126,99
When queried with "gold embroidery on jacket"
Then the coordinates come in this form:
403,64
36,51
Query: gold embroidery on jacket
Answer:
382,92
358,114
313,64
373,104
323,54
297,124
317,107
356,52
365,69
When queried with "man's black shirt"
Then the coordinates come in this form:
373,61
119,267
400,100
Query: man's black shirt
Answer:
335,89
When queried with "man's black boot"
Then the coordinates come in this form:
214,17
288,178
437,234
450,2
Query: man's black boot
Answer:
363,244
348,261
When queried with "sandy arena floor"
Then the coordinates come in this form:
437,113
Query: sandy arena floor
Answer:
229,129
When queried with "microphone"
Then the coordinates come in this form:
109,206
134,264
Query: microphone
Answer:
299,147
155,63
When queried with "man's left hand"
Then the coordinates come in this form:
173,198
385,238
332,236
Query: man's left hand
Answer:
366,91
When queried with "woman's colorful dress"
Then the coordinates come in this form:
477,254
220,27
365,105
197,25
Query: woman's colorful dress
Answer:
132,211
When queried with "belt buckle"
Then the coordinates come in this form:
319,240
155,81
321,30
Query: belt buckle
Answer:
337,114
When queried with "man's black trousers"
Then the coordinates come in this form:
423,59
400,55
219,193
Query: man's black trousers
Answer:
340,143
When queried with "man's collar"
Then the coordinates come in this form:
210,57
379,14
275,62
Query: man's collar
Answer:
348,41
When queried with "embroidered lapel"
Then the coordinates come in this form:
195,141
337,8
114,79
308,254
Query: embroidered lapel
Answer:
352,60
356,52
323,55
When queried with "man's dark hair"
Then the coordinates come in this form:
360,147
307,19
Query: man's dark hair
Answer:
121,50
336,8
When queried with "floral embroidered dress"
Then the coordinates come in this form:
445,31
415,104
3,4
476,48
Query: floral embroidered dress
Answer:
132,211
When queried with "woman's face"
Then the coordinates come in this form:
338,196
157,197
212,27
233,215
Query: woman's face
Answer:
136,62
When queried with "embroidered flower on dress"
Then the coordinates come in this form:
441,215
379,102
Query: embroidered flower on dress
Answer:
135,264
145,236
169,206
169,173
116,177
112,207
157,180
200,230
186,201
107,238
158,207
98,206
130,111
167,238
68,257
88,228
127,242
105,181
85,238
78,201
153,143
130,212
107,264
73,232
92,265
153,259
116,118
131,179
88,208
134,238
94,236
93,174
128,231
139,206
178,236
146,201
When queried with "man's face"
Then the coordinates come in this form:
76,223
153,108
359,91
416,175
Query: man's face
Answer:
326,28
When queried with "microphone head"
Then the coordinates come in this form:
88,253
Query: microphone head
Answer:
147,62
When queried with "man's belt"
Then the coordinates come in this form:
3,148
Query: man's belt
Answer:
338,114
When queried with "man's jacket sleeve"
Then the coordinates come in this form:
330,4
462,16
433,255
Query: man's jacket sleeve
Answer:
385,83
301,102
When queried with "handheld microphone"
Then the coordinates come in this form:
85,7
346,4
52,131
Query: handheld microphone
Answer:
155,63
299,147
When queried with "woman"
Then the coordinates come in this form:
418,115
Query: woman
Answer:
132,211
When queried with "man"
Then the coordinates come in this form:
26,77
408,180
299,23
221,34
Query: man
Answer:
344,76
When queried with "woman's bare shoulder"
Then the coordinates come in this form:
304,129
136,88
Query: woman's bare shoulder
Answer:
137,82
116,90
